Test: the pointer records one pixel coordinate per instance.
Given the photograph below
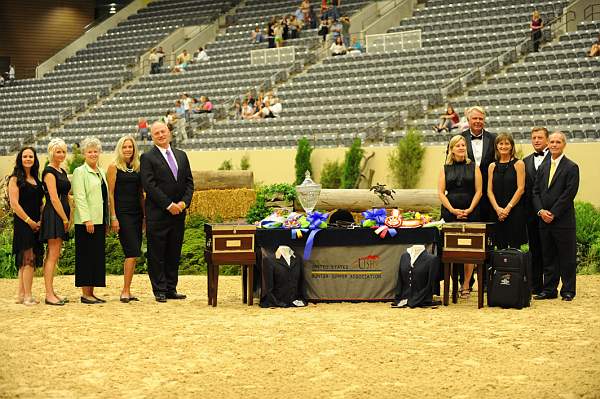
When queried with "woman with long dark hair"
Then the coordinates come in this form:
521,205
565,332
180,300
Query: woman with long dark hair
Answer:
25,194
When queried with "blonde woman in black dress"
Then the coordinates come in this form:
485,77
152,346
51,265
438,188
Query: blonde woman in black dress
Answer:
127,207
56,216
459,190
25,194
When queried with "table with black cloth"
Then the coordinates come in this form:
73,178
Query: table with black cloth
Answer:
349,264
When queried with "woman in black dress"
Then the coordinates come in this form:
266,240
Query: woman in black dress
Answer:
127,207
25,194
56,216
459,190
505,189
90,192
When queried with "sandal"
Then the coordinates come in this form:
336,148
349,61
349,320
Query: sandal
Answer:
464,293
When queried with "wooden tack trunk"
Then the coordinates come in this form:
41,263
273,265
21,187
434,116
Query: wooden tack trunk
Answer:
230,242
464,240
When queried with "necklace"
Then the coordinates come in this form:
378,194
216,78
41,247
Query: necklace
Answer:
128,169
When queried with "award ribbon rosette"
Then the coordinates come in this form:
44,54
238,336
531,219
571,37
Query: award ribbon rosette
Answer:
299,225
383,225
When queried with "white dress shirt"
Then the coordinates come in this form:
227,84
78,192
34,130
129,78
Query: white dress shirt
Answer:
537,161
163,151
477,146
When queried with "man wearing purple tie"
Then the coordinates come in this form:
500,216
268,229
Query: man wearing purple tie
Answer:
167,179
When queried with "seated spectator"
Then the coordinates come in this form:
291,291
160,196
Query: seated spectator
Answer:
448,121
179,109
250,99
201,55
271,109
161,57
463,124
183,60
1,81
595,49
355,47
205,106
153,59
237,109
11,74
256,35
338,48
247,110
143,129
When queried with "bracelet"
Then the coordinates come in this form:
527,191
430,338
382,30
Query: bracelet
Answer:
65,220
27,220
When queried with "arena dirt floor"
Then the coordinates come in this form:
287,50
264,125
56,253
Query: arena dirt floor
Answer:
185,349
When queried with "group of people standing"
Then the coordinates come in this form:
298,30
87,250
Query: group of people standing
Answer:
530,200
95,201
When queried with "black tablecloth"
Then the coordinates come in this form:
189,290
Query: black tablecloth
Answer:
338,237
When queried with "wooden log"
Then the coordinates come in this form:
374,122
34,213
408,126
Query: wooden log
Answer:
423,200
223,179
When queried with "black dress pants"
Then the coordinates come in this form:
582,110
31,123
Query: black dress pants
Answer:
164,239
560,260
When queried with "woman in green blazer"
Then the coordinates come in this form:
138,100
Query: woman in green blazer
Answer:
90,193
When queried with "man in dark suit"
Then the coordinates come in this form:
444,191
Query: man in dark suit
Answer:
167,179
533,161
480,149
554,191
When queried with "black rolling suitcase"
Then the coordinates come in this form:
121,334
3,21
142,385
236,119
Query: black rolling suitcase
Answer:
509,279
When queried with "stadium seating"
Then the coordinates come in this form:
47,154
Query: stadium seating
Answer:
557,87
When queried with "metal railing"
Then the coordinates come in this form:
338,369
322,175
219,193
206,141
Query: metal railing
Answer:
591,11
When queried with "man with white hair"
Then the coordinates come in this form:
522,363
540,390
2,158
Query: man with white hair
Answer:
480,149
167,180
556,186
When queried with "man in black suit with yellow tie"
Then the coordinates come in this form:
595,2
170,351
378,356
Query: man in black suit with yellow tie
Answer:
480,149
533,161
554,193
167,180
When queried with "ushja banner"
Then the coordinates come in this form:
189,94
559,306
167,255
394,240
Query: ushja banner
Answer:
353,273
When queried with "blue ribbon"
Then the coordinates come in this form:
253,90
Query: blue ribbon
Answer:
378,215
315,220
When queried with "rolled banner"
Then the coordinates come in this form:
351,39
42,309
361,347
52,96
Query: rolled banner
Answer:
317,221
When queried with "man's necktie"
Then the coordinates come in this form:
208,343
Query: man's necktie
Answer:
172,164
538,154
552,170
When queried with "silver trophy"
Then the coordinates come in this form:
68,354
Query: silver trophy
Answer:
308,193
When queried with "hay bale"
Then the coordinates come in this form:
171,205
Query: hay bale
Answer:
225,204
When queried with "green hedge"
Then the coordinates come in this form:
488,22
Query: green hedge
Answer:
192,253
